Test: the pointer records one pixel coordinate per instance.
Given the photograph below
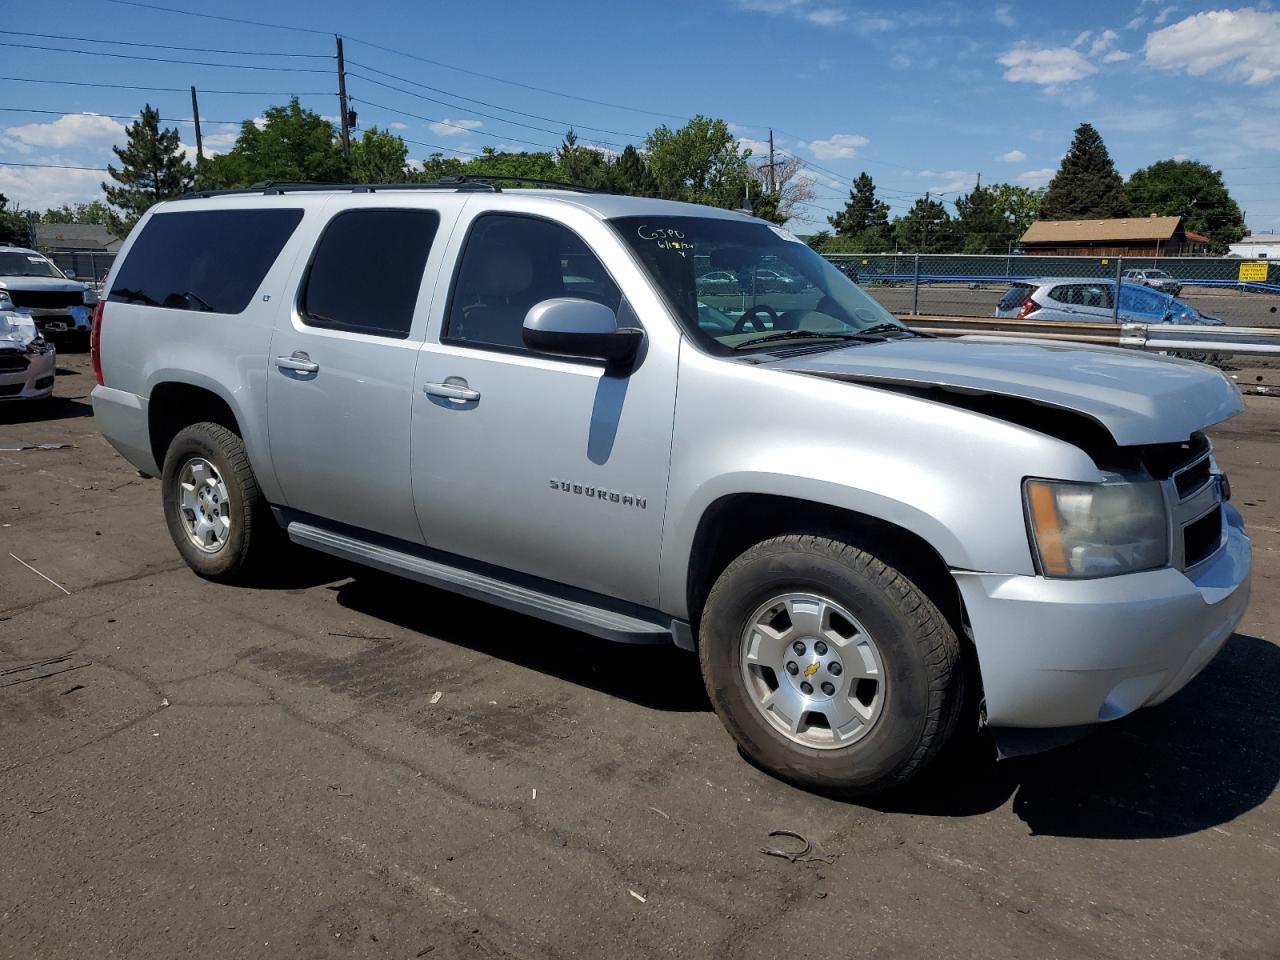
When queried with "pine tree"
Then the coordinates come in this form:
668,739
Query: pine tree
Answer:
633,173
1087,185
980,224
926,228
863,215
153,167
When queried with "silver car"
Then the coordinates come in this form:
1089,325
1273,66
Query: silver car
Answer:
870,539
1156,279
32,286
1088,298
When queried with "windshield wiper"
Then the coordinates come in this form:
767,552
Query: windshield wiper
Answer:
881,328
801,335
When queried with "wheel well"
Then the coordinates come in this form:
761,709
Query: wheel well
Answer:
734,523
176,405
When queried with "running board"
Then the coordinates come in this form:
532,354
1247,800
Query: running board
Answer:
575,614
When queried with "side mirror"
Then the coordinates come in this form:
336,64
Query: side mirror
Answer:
570,327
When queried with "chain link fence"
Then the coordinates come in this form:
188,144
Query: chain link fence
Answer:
89,266
972,286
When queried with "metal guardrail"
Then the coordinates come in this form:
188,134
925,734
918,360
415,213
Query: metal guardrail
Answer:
1257,341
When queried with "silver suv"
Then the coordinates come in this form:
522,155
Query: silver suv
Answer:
32,287
870,538
1156,279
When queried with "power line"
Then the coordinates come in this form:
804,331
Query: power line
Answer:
495,106
402,53
129,86
418,116
169,46
214,16
109,116
50,166
138,56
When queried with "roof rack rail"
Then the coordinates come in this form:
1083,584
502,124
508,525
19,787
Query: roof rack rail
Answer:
462,182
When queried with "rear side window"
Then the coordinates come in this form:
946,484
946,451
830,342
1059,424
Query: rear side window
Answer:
366,271
205,260
1015,296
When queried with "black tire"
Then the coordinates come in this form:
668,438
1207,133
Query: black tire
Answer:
253,532
919,649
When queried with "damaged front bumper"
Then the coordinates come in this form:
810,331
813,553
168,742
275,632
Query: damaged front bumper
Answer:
1069,653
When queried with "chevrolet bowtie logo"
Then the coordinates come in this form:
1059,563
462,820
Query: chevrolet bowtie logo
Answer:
811,669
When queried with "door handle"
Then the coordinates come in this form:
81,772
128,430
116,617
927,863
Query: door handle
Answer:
453,388
299,361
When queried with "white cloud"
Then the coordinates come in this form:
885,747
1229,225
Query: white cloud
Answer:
758,148
1081,38
1102,42
1164,15
1115,56
814,11
69,130
1135,23
453,128
1013,156
1247,41
837,146
1047,66
1036,178
36,188
397,125
1002,16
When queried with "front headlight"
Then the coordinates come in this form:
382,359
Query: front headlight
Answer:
90,298
6,302
1084,530
39,346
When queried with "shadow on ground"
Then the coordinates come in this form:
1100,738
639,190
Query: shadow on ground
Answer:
1200,760
34,411
660,677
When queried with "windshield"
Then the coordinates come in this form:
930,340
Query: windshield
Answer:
22,264
1158,275
744,285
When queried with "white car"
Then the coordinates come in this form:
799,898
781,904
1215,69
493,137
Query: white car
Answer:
27,360
31,285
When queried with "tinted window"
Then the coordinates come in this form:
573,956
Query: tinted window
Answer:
510,264
1083,294
367,269
1015,296
211,260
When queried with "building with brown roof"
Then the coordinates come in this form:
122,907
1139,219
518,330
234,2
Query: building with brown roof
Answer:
1133,236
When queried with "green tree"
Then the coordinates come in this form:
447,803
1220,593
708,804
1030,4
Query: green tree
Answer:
633,174
1019,206
979,223
864,219
1087,186
15,224
93,212
581,165
701,163
379,156
1193,191
291,145
925,228
153,167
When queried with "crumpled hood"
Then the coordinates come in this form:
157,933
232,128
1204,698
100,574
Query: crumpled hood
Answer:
16,329
1136,398
41,283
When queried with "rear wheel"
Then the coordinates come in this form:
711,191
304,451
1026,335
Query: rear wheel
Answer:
215,512
830,667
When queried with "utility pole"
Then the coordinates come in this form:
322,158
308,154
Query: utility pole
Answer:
771,183
342,101
924,226
195,114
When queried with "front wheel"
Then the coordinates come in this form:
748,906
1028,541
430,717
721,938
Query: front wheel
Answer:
830,667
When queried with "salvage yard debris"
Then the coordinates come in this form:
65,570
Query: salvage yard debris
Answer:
803,856
39,574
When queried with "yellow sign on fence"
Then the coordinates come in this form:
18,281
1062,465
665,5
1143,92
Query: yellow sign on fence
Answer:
1253,270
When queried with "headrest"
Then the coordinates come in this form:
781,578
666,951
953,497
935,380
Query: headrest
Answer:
505,269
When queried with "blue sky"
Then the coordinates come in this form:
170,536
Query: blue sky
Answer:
923,96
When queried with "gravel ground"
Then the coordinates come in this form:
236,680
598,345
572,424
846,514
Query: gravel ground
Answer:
270,772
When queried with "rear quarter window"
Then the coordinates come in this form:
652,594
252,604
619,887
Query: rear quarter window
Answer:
1015,296
203,260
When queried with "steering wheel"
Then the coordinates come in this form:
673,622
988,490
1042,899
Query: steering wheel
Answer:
751,314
